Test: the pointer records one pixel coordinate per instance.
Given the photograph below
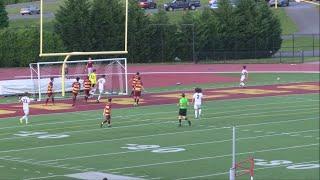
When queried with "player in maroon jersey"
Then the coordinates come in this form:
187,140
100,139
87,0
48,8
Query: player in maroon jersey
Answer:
50,92
107,113
75,90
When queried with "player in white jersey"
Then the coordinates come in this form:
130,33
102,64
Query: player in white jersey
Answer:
25,105
244,77
101,82
197,101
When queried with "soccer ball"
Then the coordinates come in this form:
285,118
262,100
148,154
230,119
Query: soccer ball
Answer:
278,78
242,84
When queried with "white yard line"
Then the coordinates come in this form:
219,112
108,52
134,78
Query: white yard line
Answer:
181,145
262,97
216,117
227,172
139,115
212,157
152,135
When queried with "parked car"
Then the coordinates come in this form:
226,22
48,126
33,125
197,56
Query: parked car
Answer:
182,4
213,4
30,10
147,4
280,3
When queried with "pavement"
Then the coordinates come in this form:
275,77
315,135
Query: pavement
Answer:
306,16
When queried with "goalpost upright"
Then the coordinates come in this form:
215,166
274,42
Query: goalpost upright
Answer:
69,54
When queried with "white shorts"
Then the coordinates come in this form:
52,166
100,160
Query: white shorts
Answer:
197,106
242,78
101,91
26,111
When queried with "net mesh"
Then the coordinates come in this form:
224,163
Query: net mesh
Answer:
113,69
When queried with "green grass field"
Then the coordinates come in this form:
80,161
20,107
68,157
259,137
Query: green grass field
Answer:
282,132
282,128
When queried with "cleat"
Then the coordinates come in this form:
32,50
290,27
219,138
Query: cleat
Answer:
189,122
20,120
101,125
98,101
179,125
109,125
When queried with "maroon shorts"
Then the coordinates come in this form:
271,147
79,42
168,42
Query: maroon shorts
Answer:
75,94
108,117
137,93
49,94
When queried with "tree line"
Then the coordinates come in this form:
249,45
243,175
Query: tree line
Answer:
249,30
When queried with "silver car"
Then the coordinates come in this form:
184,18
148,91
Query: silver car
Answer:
30,10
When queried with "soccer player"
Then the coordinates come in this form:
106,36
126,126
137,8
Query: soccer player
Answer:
244,76
50,92
93,80
138,87
197,101
133,81
101,82
25,106
107,114
183,105
89,66
87,87
75,90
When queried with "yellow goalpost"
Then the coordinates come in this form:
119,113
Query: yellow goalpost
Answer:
69,54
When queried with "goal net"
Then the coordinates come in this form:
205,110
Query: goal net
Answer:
115,71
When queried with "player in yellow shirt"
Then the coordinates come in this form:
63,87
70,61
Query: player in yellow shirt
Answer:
93,80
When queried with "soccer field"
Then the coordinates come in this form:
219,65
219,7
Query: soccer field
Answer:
280,132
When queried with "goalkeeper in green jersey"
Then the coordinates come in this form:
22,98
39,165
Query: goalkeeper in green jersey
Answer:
183,105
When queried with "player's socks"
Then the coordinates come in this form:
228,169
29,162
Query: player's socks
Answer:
47,100
26,120
196,114
189,122
179,122
21,120
52,100
199,113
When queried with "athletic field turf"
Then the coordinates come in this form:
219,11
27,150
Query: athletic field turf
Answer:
280,132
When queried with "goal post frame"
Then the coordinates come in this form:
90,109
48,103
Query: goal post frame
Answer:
35,70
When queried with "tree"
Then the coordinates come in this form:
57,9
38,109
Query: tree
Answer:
107,24
73,25
163,37
185,36
4,20
138,34
226,26
268,35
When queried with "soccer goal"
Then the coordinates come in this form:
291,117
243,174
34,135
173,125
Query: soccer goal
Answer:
65,73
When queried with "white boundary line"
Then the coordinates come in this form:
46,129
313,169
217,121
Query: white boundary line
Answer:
237,99
146,124
139,115
68,132
222,173
212,157
152,135
178,146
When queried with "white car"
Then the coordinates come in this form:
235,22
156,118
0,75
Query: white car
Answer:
30,10
213,4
